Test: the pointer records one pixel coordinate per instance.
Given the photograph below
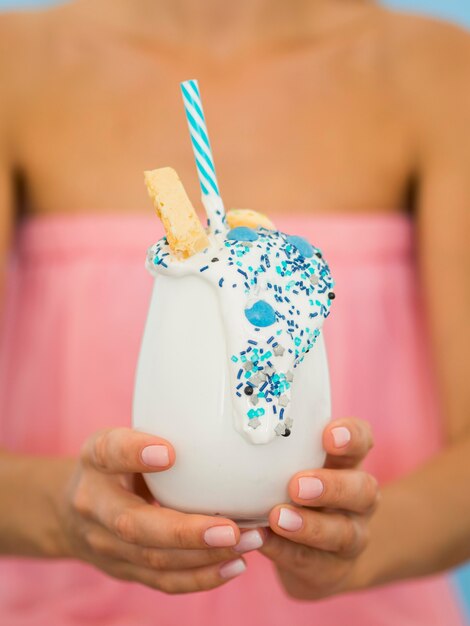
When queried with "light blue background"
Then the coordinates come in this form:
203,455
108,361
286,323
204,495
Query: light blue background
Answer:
456,10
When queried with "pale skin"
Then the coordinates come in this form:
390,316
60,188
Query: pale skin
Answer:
377,101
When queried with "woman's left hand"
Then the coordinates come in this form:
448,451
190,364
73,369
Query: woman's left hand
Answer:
315,546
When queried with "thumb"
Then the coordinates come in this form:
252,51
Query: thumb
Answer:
124,450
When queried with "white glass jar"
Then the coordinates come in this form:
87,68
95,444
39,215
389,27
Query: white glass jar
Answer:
183,394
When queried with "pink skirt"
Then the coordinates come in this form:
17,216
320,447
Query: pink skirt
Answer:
76,305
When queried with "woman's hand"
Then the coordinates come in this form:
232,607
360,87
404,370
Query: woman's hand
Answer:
112,522
315,546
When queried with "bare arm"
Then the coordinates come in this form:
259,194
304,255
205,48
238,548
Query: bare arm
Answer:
428,512
27,526
421,525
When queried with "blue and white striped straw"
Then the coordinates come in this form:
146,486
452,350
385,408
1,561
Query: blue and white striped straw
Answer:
203,155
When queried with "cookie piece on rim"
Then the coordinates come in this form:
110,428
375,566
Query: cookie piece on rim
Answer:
185,233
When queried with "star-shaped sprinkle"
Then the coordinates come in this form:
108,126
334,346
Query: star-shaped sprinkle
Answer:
283,401
256,380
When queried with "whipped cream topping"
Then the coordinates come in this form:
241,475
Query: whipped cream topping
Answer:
274,291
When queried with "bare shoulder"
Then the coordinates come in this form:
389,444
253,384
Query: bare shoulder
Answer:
28,48
21,39
428,55
429,62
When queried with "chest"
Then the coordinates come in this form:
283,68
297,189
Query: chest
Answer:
298,131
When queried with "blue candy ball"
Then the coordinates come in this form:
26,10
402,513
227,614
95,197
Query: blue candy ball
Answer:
302,245
261,314
242,233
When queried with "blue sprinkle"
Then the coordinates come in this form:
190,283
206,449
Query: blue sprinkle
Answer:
261,314
242,273
281,413
253,343
240,372
242,233
302,245
270,339
221,282
203,269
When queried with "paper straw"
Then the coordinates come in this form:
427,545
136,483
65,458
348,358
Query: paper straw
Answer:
203,155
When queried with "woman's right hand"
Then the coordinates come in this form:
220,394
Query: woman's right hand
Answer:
130,536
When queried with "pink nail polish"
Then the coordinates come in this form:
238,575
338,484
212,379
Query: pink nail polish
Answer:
249,540
232,568
341,436
220,536
310,487
289,520
155,456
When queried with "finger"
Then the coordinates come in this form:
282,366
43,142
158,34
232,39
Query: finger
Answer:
134,521
293,556
350,490
103,543
118,450
345,535
184,581
347,442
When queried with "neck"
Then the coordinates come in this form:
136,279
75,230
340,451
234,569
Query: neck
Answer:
223,27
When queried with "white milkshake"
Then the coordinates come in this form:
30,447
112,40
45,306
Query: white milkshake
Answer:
233,370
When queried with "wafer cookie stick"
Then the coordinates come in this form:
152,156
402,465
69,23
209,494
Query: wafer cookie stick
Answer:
185,233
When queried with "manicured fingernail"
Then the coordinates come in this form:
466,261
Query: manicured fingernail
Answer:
250,540
289,520
233,568
341,436
310,487
155,456
220,536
